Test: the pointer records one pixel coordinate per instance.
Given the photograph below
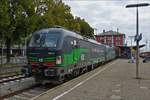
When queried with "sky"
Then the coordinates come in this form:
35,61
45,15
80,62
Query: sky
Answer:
112,14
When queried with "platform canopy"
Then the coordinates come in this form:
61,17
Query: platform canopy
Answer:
134,47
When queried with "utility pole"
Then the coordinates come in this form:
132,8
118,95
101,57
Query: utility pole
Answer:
137,33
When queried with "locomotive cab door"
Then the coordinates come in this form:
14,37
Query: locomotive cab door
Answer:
75,51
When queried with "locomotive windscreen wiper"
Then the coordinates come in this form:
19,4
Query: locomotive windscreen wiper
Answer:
38,40
42,40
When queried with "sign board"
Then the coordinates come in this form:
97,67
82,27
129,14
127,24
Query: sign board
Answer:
138,37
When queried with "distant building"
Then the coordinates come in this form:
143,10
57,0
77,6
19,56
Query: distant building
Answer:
111,38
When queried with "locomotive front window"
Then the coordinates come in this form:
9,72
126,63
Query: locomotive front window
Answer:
44,40
50,41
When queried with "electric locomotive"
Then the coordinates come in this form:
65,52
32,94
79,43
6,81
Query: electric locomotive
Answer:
56,53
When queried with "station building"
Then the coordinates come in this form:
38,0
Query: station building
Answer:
114,39
111,38
117,40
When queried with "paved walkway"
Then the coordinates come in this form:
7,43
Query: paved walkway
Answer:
114,81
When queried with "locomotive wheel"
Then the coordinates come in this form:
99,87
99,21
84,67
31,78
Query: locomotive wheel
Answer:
91,67
84,70
76,72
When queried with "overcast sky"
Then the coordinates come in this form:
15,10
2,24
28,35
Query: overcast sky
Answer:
112,14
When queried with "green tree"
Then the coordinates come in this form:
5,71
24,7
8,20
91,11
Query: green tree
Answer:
19,18
85,28
4,19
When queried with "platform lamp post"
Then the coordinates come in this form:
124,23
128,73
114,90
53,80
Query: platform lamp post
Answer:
137,33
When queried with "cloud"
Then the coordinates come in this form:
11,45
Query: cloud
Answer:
112,14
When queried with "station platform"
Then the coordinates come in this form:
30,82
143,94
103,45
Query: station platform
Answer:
113,81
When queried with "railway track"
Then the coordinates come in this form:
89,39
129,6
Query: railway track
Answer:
11,85
29,93
32,92
11,78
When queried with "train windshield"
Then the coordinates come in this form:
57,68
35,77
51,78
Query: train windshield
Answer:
44,40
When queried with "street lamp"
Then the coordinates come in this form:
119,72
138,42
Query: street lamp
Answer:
137,33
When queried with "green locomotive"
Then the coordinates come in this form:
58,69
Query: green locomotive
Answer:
55,54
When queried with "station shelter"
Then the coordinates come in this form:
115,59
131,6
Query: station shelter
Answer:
127,51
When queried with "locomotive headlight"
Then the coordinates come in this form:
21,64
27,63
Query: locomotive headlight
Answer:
58,60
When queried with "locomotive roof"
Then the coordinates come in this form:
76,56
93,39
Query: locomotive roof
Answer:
66,32
107,46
